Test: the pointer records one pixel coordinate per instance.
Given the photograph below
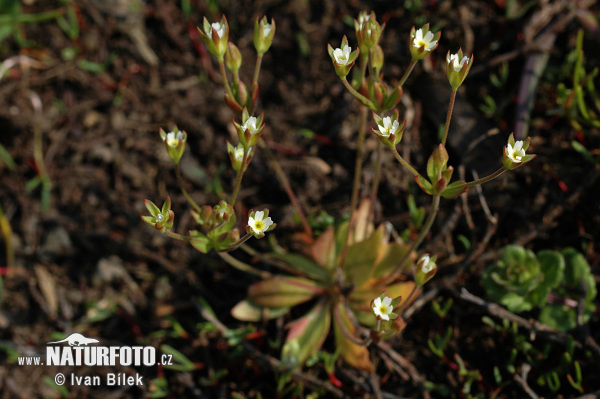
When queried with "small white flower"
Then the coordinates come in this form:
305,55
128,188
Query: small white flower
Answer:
383,308
258,223
160,218
219,27
456,63
388,128
342,56
517,152
267,28
426,264
239,153
427,42
172,138
251,125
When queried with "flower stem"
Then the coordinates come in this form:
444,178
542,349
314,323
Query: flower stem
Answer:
407,73
487,178
238,264
375,186
435,203
225,81
184,191
406,164
402,307
238,180
449,116
283,180
239,242
364,100
356,184
257,70
178,236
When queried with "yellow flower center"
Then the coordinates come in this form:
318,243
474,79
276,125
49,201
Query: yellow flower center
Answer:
259,225
383,309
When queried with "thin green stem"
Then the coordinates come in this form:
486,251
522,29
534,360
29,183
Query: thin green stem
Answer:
8,241
402,307
364,100
487,178
356,184
449,116
283,180
184,191
225,80
435,203
410,68
375,186
239,242
238,180
178,236
257,71
406,164
238,264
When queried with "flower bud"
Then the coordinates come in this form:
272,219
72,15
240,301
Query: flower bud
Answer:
368,31
215,37
422,42
236,155
376,59
160,219
223,212
174,143
263,35
233,58
514,153
426,269
343,58
457,68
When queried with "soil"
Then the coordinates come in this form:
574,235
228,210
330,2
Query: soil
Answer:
89,101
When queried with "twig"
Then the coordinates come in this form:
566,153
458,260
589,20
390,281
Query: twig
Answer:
522,379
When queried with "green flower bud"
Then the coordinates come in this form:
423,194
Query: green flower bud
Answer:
174,143
426,269
263,35
215,36
457,68
160,219
233,58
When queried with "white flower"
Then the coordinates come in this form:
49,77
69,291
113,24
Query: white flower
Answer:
267,28
515,153
172,138
456,63
219,27
239,153
160,218
426,264
342,56
388,128
383,308
258,223
251,125
427,41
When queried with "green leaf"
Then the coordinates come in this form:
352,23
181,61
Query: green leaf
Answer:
559,317
455,189
354,354
362,256
306,336
182,363
280,292
304,265
247,311
393,253
323,250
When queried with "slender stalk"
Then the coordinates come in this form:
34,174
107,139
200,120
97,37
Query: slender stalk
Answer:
449,116
356,184
239,242
487,178
402,307
410,68
435,203
406,164
283,180
38,156
225,80
364,100
238,264
238,180
184,191
375,186
178,236
257,70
